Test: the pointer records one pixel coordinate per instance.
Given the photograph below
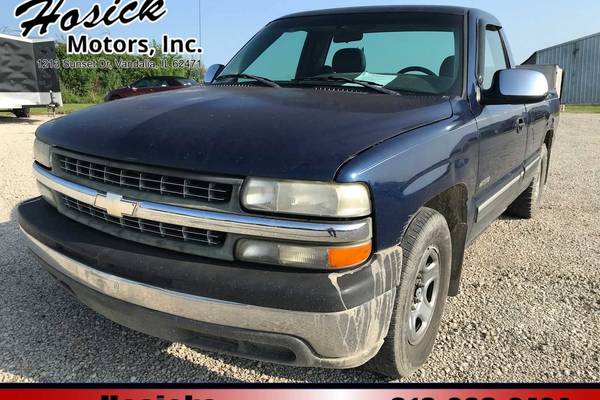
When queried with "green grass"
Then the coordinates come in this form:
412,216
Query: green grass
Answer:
582,109
65,109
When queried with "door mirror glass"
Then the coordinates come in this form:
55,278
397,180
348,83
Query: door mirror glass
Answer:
212,72
516,86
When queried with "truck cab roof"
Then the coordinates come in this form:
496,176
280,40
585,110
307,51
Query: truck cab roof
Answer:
396,9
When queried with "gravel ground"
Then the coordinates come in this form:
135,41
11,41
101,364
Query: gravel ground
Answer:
529,308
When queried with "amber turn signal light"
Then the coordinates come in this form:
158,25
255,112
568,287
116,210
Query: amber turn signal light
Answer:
344,257
302,256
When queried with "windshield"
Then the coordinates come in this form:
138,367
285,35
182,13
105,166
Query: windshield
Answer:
405,52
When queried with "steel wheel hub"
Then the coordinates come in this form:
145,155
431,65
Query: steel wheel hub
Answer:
424,296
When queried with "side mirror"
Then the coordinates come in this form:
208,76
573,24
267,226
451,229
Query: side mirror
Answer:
212,72
516,86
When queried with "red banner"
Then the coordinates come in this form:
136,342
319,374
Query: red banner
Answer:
303,394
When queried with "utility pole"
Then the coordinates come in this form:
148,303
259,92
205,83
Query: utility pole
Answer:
200,26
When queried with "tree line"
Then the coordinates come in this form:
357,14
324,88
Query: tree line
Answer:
90,85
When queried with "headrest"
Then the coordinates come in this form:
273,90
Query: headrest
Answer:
349,60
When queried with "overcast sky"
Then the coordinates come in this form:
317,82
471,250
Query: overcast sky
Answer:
227,24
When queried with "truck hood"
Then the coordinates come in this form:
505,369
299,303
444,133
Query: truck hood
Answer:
244,131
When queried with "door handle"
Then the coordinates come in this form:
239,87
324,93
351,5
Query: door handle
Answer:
520,125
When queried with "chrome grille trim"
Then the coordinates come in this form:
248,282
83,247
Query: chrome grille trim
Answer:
283,229
168,231
164,185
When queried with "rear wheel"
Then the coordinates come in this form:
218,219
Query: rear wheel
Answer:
420,298
22,112
528,203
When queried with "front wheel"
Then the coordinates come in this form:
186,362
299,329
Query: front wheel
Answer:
420,298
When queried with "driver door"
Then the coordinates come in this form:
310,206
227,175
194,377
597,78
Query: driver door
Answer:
503,136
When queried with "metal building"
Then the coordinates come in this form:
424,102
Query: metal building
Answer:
580,59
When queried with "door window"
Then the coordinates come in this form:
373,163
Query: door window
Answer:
495,57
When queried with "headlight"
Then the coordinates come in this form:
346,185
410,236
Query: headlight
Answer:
344,200
302,256
41,153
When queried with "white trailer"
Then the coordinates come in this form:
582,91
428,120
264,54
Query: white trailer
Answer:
28,75
552,72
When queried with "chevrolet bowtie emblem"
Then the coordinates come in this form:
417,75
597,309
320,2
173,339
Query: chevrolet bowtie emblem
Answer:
115,205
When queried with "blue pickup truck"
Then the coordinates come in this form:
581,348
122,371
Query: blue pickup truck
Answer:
311,204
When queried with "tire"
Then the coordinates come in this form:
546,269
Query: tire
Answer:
408,344
529,202
22,112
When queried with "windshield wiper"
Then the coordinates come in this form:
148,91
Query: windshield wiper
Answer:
369,85
264,81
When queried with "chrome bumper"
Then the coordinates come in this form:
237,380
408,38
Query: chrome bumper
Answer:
283,229
340,339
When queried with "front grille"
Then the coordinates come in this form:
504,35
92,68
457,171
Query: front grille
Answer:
164,185
153,228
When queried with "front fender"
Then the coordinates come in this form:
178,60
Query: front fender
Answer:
405,172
